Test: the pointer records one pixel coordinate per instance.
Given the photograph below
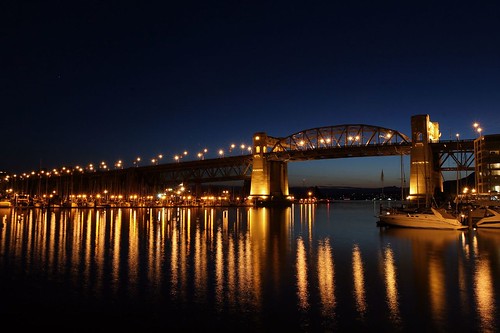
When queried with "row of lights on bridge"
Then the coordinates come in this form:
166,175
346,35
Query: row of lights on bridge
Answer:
156,160
120,164
200,155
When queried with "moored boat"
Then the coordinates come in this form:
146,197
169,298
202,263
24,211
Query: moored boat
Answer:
490,220
435,219
5,204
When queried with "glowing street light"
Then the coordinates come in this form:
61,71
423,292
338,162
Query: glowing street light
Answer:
477,128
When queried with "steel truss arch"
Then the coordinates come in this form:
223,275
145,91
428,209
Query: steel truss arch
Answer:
339,136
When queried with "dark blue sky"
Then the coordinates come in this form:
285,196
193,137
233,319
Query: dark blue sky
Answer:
89,81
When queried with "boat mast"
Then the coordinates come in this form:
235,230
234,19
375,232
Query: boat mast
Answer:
458,173
402,178
382,180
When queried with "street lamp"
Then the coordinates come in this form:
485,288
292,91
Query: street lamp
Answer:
477,128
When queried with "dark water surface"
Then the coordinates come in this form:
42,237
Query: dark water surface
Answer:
310,268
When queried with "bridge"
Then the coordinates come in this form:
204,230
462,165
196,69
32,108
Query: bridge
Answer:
264,172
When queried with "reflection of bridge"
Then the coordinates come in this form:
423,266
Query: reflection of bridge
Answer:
265,170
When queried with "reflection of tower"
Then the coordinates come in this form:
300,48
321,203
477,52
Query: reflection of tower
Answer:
269,178
425,178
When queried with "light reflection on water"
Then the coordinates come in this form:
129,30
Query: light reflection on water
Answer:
305,268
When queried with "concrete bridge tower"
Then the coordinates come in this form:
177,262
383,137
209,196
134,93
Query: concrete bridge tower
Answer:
269,180
425,177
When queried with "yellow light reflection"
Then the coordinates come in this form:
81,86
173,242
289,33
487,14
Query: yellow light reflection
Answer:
391,285
359,280
326,277
231,285
200,261
219,271
437,290
301,263
485,295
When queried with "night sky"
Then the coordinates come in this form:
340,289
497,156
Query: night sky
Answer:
89,81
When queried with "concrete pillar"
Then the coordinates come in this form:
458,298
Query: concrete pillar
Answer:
425,178
269,180
260,181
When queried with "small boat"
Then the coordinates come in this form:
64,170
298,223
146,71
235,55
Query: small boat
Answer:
490,220
435,219
5,204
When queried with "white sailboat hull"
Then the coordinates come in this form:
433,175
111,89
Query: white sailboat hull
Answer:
434,220
492,221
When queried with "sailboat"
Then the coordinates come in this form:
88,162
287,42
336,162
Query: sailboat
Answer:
432,218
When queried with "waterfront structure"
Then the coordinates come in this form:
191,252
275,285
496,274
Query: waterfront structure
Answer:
487,166
269,182
425,177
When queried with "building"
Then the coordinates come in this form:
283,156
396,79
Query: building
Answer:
487,163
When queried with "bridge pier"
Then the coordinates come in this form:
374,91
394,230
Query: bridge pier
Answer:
269,180
425,177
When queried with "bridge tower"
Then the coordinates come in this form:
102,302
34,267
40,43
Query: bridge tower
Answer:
425,177
269,179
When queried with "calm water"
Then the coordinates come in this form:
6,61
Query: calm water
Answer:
324,268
